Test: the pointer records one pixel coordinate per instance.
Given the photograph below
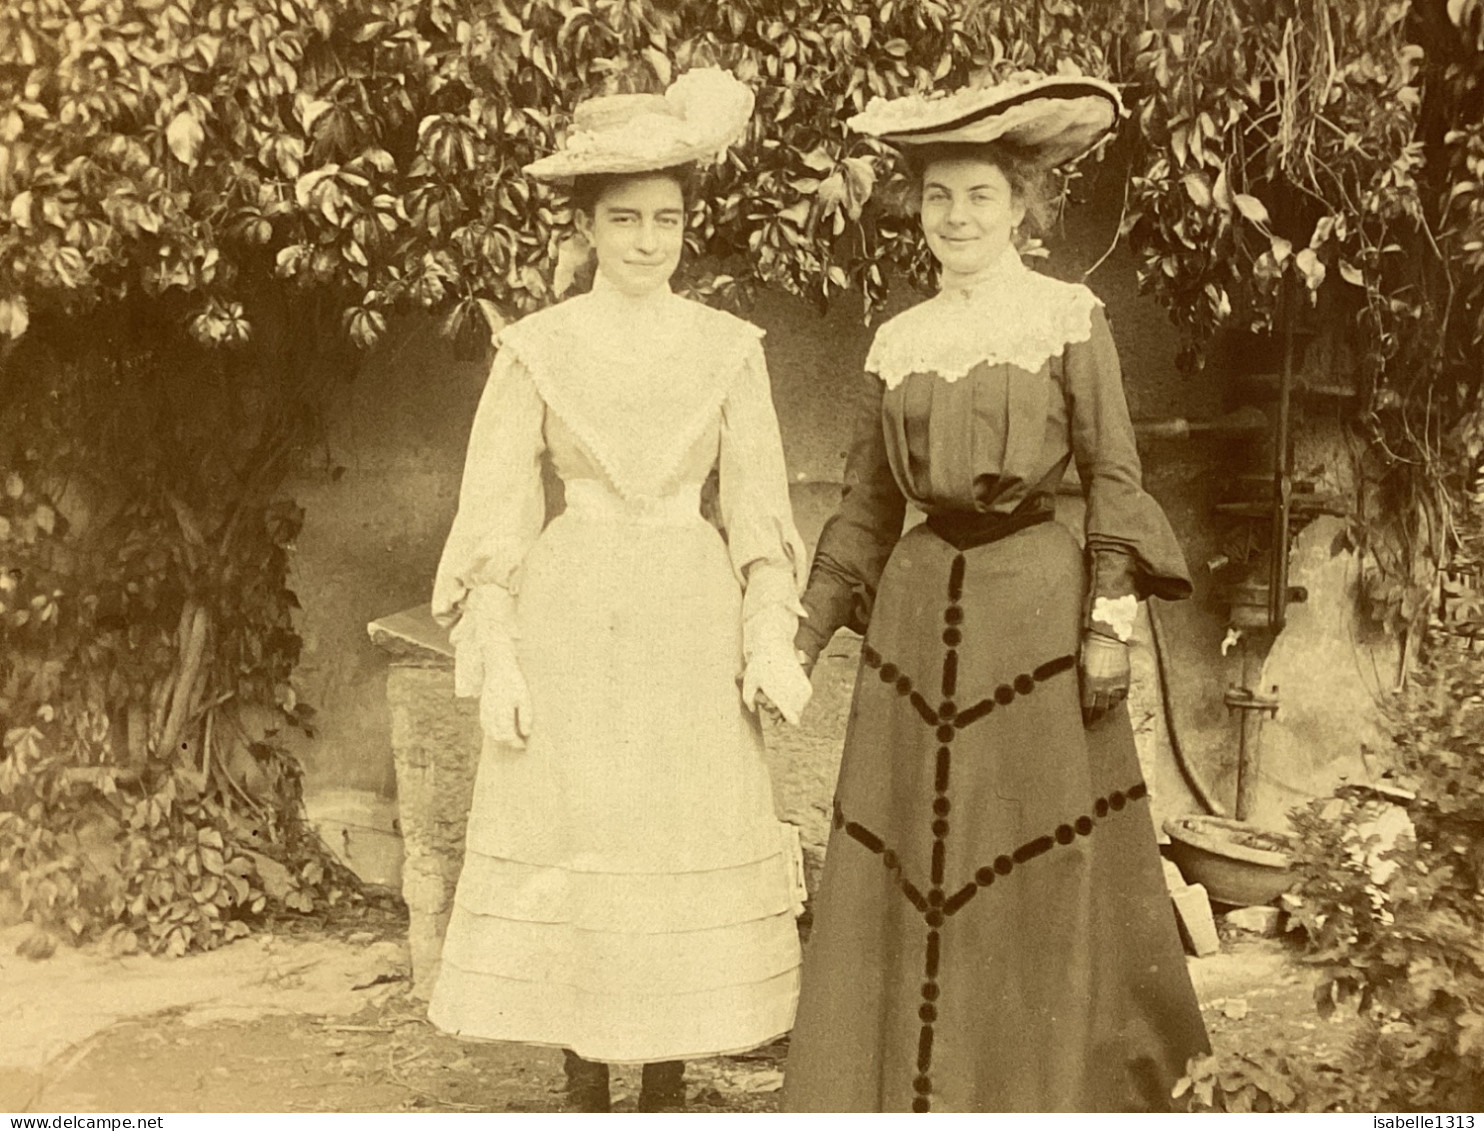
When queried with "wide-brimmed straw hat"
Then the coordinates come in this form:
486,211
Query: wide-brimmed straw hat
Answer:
703,111
1050,119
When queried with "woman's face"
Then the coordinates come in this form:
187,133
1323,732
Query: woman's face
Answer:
969,213
637,230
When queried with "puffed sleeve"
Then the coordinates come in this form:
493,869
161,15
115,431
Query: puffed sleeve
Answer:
1131,548
859,536
767,553
501,501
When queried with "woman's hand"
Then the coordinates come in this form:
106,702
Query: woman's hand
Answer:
485,665
764,706
1104,669
774,682
504,701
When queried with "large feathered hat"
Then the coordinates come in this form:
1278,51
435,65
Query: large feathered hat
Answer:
1052,120
703,111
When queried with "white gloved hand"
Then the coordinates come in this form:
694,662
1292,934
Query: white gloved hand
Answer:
775,676
504,700
485,665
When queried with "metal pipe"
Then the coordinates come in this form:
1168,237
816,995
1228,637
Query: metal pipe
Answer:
1249,746
1253,705
1241,422
1282,473
1198,785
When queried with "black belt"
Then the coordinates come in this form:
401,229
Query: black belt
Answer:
963,530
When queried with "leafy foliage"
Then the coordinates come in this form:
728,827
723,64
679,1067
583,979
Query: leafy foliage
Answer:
1394,906
373,148
147,648
1314,164
1391,903
1238,1082
1283,142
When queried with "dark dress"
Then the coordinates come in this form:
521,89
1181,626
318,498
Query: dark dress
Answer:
992,931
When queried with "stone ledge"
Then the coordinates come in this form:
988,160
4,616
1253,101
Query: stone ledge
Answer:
412,637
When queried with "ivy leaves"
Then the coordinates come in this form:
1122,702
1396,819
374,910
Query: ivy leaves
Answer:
185,136
373,151
1276,147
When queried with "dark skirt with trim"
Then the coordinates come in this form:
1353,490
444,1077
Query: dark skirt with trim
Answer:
992,931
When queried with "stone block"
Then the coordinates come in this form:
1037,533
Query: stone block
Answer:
804,761
436,741
1259,920
1197,926
1174,881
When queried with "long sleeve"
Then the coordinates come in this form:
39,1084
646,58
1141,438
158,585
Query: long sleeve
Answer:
501,499
767,553
859,537
1131,548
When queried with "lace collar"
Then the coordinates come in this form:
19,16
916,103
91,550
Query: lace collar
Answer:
636,379
1012,316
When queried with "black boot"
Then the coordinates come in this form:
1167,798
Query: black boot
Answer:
587,1083
663,1086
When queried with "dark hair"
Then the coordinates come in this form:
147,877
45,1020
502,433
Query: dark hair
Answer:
588,190
1030,181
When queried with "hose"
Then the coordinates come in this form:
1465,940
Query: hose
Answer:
1203,792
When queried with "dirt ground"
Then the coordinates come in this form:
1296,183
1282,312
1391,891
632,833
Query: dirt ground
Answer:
318,1018
384,1060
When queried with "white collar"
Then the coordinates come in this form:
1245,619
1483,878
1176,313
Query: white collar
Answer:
636,378
1006,270
1010,315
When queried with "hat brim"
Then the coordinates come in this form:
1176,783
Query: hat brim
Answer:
1053,121
566,166
700,114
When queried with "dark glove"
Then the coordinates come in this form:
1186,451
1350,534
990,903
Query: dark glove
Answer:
1104,669
807,647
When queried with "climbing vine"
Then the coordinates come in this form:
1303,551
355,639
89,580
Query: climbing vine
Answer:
147,642
1315,165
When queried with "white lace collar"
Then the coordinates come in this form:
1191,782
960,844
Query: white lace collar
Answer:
1012,316
636,379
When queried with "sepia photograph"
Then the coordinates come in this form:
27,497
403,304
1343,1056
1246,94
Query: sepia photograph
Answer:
741,556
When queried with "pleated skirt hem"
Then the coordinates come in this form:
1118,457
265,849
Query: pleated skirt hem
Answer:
617,1028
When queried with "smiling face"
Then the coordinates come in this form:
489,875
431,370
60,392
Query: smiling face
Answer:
637,230
969,214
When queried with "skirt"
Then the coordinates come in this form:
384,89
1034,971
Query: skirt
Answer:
992,930
627,889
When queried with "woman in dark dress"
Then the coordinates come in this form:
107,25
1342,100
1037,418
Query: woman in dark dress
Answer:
992,931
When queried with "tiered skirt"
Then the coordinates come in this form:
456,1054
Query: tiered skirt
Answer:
627,889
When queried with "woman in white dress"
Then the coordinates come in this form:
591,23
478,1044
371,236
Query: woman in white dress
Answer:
627,891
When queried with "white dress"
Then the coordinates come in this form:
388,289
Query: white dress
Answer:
626,891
